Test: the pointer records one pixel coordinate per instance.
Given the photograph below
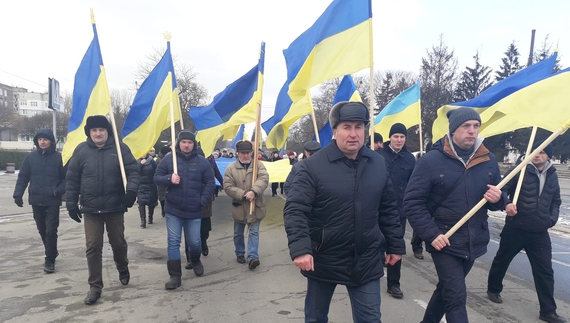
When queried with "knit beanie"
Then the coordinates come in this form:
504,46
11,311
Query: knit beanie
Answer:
548,149
398,128
459,116
185,134
378,137
165,150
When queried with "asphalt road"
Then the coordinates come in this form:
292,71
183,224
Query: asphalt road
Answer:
228,291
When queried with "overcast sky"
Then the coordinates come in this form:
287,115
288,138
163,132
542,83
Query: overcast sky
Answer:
220,39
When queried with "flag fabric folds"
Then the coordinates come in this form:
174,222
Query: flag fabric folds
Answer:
149,114
484,103
338,43
404,109
234,106
90,95
240,135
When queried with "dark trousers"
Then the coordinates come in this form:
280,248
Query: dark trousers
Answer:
394,272
538,248
274,187
47,222
95,225
450,295
162,207
416,243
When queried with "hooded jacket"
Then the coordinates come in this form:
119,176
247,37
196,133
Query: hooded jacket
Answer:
44,172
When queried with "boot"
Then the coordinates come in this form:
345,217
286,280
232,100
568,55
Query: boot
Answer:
205,250
142,212
150,213
197,265
188,262
175,272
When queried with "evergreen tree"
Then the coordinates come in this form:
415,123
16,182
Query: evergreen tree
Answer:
474,80
510,63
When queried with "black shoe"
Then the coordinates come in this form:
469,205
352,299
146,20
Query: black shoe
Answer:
150,219
495,297
419,255
241,259
92,298
395,291
552,318
49,267
188,265
205,250
253,263
124,277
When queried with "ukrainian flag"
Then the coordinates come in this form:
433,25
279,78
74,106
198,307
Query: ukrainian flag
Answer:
149,114
235,106
90,95
404,109
488,98
346,92
338,43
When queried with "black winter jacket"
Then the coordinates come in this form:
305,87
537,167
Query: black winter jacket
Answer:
148,192
400,167
341,212
535,213
434,175
44,171
196,187
94,177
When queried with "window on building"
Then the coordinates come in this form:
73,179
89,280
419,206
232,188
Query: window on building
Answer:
24,111
23,102
25,138
34,103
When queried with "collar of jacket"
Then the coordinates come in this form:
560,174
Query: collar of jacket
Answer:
334,152
481,155
389,149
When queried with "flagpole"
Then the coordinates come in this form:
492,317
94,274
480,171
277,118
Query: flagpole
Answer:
255,154
420,128
507,178
118,145
371,101
314,121
172,132
521,177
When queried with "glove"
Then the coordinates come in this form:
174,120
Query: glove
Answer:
75,214
19,202
130,198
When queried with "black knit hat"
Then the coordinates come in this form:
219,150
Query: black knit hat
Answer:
548,149
98,121
312,146
378,137
398,128
348,111
459,116
165,150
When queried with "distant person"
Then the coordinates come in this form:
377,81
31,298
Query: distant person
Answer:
147,194
378,141
224,153
526,227
162,189
310,148
239,185
94,181
152,154
44,172
275,185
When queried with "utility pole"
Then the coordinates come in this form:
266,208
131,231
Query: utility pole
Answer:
530,58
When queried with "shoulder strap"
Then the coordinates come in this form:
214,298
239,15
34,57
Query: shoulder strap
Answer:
436,206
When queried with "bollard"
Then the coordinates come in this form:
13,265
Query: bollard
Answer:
10,168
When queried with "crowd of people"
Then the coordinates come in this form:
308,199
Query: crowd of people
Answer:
345,212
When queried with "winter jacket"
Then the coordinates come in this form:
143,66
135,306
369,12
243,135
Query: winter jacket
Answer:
400,167
44,172
94,177
196,187
237,182
342,212
434,175
148,192
536,212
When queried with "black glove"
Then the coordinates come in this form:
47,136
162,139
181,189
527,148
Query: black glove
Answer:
130,198
19,202
75,214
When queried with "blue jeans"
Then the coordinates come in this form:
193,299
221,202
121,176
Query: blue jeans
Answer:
252,240
174,226
364,300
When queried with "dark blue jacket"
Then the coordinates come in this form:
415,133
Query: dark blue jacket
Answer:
196,187
400,167
536,212
44,171
342,211
434,175
148,192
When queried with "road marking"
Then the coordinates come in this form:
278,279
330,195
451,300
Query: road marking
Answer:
424,306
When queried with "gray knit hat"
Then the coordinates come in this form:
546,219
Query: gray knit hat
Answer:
348,111
459,116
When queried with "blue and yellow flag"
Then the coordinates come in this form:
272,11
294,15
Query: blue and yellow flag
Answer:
235,106
404,109
149,114
346,92
491,96
240,135
90,95
338,43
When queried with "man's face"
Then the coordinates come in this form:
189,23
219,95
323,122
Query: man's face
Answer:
151,152
44,143
378,145
186,146
244,156
540,159
349,137
99,136
224,153
466,134
397,141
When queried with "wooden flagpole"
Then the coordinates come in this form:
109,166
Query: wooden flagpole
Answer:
420,126
371,101
255,153
118,145
168,36
521,177
314,121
